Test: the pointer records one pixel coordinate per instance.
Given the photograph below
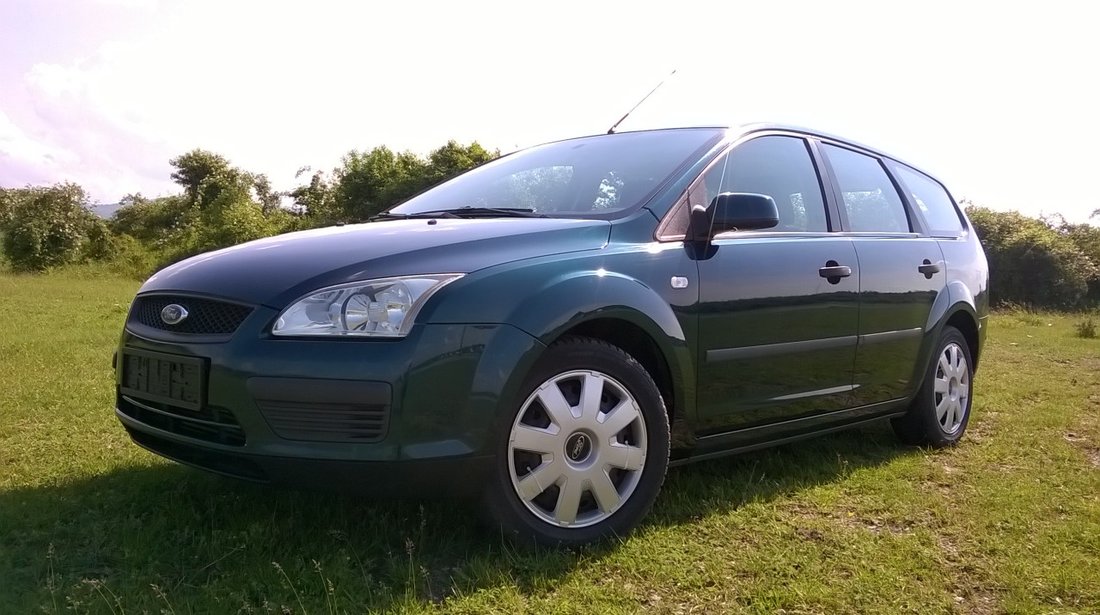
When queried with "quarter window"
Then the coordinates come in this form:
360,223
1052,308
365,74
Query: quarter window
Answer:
932,200
779,167
872,202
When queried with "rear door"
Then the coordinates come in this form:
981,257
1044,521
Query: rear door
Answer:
777,337
900,275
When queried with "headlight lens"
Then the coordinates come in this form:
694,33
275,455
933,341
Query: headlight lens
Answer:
375,308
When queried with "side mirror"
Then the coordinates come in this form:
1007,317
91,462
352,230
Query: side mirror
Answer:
733,211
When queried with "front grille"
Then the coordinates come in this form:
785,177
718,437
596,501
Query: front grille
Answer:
204,316
211,424
326,422
214,461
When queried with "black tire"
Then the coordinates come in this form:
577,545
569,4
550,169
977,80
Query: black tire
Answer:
923,424
518,518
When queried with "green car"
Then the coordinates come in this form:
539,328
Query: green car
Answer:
549,332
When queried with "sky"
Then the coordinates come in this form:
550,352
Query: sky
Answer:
998,100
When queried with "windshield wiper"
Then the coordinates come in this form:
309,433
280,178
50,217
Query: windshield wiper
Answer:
492,212
386,215
464,212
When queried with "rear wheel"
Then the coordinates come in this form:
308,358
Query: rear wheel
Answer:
939,414
583,455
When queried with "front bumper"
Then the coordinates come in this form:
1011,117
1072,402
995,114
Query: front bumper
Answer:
377,416
442,477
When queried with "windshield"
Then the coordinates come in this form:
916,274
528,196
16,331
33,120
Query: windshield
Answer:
586,177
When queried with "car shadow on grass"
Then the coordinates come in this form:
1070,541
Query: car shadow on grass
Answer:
167,537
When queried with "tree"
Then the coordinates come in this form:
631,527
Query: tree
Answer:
230,179
269,198
369,182
149,220
196,167
1087,239
46,226
315,199
1031,263
454,158
227,216
7,203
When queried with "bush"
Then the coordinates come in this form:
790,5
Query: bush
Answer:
101,244
229,218
7,202
1086,329
132,258
46,227
149,220
1031,263
1087,240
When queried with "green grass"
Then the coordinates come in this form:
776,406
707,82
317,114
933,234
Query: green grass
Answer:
1007,522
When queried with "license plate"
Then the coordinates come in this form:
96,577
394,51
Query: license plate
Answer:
165,378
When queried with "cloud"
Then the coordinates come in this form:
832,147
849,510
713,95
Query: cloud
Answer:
273,86
277,88
130,4
16,144
67,129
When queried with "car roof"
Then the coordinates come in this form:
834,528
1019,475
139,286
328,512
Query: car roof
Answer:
745,129
735,131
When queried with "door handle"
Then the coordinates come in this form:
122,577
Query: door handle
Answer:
833,271
928,268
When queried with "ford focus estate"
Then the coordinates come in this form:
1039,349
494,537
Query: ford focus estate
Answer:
552,330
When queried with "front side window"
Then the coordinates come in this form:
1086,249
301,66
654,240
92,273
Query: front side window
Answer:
932,200
587,177
870,199
781,168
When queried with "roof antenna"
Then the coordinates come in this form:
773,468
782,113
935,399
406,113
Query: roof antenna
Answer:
611,130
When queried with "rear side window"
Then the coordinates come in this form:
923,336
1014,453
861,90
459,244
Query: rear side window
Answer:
872,202
932,200
781,168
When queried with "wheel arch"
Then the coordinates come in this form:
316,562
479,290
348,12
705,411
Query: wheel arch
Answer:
967,324
638,343
957,307
626,313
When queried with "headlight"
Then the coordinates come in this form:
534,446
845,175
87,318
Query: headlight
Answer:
375,308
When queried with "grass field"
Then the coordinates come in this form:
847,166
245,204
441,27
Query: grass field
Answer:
1009,521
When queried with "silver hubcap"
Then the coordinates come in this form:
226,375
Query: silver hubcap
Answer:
952,388
577,449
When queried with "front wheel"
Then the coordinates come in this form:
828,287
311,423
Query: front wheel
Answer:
584,453
941,410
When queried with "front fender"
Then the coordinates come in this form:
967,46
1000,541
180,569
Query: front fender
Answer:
582,296
572,300
547,298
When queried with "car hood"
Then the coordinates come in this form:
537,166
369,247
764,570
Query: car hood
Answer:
276,270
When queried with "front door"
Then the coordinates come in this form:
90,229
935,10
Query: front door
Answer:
778,309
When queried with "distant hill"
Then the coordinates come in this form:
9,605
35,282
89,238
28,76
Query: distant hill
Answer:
105,210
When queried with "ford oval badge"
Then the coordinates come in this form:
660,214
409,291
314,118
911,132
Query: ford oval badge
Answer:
173,314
